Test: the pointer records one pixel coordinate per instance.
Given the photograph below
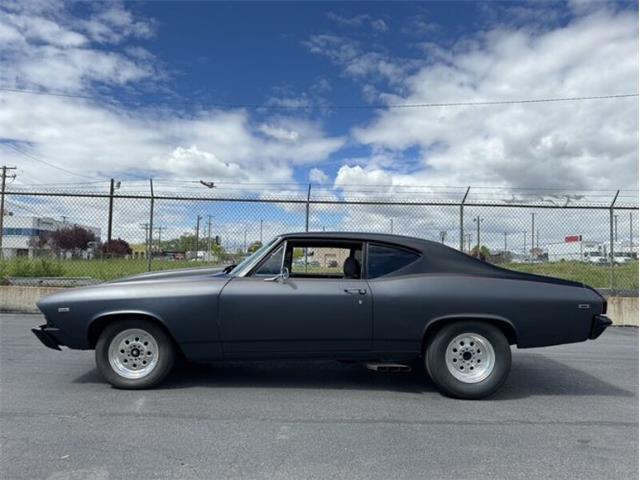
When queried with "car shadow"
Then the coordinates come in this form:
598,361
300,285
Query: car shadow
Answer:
531,374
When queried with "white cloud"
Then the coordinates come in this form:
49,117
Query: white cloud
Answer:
580,144
379,25
376,24
279,133
317,176
192,161
48,48
356,60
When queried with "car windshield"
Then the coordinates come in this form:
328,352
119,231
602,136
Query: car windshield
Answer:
252,258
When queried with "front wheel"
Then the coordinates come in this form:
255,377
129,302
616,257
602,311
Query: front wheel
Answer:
134,354
468,359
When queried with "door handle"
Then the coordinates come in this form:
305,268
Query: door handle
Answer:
355,291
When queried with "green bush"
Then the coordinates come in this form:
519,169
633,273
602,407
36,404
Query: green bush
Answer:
24,267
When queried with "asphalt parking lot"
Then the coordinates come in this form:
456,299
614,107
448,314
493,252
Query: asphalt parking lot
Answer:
565,412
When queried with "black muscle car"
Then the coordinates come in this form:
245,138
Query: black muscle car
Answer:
385,300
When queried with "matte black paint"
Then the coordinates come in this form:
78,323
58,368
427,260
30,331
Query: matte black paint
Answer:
213,315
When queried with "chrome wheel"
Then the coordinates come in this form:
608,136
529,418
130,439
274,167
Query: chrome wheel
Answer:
470,358
133,353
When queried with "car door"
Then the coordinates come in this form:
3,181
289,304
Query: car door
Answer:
261,315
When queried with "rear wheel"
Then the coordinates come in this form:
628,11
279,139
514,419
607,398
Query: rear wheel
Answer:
468,359
134,354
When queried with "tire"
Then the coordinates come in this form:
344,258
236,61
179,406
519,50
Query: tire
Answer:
454,359
134,354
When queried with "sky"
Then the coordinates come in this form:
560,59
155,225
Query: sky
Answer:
175,89
264,93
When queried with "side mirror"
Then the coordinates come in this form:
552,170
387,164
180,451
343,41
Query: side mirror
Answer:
281,277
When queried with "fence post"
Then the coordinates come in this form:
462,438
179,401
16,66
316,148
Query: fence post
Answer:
150,235
612,281
2,193
462,219
110,220
306,224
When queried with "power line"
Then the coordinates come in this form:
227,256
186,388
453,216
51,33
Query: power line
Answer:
356,106
32,157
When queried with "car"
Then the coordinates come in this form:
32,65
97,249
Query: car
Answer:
397,302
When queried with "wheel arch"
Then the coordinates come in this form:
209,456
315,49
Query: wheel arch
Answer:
100,321
504,324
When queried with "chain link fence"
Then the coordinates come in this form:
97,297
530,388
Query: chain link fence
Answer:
81,235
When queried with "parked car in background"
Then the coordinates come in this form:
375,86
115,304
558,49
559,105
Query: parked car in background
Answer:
395,300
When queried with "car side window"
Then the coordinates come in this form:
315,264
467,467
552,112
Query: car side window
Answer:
272,265
383,259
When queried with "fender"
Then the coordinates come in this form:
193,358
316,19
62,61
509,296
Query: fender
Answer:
120,313
472,316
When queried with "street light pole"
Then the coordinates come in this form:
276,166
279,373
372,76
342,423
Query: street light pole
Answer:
533,234
198,235
478,220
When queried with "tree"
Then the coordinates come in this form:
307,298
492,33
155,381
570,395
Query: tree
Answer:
43,241
484,252
116,248
72,238
254,246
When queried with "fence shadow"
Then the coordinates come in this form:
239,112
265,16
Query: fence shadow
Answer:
532,375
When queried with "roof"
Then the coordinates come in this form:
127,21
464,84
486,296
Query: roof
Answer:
411,242
436,257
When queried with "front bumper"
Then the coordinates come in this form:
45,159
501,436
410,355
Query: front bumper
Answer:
49,336
599,325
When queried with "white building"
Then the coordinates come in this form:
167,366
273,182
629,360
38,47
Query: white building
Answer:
592,252
20,232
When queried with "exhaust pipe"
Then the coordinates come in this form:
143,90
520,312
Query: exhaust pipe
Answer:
388,367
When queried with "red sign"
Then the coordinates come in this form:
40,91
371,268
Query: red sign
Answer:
573,238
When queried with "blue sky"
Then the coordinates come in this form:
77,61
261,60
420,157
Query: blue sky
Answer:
155,73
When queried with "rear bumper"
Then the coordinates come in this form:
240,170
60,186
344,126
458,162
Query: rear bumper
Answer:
599,325
49,336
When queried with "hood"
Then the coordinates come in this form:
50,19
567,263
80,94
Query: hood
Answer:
177,274
124,288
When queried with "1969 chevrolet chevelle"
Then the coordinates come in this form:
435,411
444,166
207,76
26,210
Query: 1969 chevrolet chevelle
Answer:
385,300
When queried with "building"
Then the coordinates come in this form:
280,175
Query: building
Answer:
591,252
20,233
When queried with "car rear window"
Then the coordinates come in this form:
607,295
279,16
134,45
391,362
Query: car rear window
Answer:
384,259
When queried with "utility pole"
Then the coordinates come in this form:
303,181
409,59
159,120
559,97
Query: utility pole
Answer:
245,239
612,280
209,238
464,199
533,234
261,232
110,219
505,244
468,235
2,192
524,244
477,220
631,234
159,229
198,235
146,238
443,236
306,223
151,206
615,228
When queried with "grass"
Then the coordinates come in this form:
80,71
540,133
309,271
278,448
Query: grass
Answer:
598,276
107,269
626,276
